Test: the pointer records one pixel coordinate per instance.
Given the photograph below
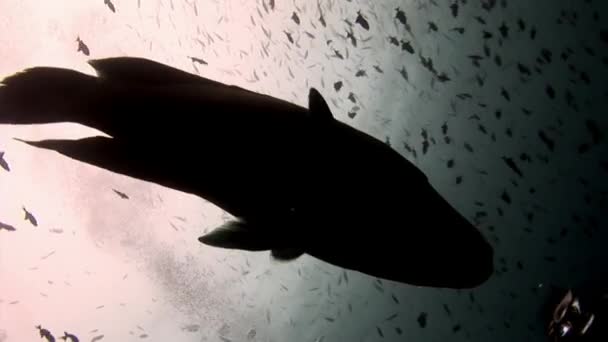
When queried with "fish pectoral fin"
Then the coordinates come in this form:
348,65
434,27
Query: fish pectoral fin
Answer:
236,234
286,254
99,151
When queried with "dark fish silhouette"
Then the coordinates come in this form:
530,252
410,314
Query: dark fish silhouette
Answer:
3,162
121,194
110,5
71,337
511,164
351,35
546,140
504,30
97,338
454,8
524,69
30,217
82,47
273,181
443,77
338,85
596,134
198,60
44,333
7,227
289,37
427,63
400,16
422,319
295,18
362,21
407,46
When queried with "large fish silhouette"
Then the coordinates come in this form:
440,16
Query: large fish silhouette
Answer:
296,179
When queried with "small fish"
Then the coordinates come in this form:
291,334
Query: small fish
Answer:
545,139
7,227
44,333
295,18
422,319
351,35
454,8
110,5
407,46
511,164
30,217
505,197
392,317
3,162
71,337
505,94
447,310
443,77
97,338
400,16
121,194
504,30
351,97
403,73
594,131
395,299
289,37
198,60
82,47
362,21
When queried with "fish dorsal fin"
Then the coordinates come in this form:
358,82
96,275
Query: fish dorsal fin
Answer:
317,106
141,70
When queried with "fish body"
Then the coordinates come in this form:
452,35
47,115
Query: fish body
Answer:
296,179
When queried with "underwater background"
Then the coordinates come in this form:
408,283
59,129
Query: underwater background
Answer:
502,104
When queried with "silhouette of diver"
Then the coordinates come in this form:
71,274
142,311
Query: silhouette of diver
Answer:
296,180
